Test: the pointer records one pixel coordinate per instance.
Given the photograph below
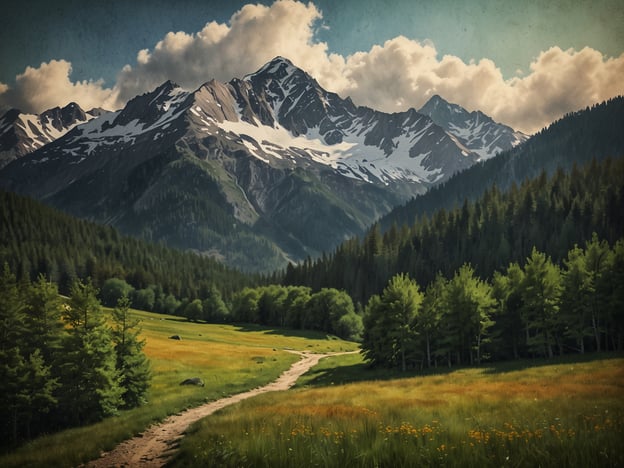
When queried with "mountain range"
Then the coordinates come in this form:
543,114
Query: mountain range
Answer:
258,171
22,133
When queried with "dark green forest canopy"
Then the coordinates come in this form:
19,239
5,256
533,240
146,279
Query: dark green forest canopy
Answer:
36,239
549,213
533,309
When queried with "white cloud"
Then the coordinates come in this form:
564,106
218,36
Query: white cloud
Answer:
255,35
42,88
394,76
405,73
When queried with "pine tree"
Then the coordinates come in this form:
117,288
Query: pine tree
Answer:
132,364
428,320
43,318
575,300
508,331
12,364
89,376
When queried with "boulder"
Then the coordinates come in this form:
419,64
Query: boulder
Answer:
175,337
193,381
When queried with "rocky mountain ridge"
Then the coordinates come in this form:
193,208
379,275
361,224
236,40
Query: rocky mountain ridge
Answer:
22,133
257,171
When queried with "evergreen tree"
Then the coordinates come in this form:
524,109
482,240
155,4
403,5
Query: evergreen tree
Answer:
427,324
132,364
26,383
508,331
468,307
575,300
615,310
12,364
597,264
89,376
43,319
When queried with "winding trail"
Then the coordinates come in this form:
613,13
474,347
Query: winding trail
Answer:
156,446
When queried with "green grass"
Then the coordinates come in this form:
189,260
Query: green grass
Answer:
230,359
543,413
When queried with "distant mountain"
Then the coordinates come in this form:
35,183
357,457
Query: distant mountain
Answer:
257,171
475,130
576,139
22,133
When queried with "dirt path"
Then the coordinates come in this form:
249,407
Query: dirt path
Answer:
155,446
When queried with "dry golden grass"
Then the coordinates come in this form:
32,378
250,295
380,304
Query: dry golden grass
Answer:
230,359
569,414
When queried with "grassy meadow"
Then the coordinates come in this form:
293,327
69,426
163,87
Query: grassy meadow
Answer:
229,358
544,413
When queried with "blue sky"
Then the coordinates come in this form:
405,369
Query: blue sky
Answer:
96,39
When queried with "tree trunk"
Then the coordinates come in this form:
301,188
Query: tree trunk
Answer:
428,351
596,331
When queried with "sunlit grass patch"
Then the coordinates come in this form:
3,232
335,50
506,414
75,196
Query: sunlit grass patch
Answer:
569,414
228,358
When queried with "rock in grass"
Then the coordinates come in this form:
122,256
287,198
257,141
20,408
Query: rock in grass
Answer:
193,381
175,337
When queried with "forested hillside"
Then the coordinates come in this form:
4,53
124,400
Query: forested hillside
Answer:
551,214
577,138
36,239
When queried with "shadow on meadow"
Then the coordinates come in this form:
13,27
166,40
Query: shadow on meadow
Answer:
347,371
289,332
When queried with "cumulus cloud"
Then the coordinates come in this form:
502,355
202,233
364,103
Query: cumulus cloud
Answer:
255,35
393,76
49,85
405,73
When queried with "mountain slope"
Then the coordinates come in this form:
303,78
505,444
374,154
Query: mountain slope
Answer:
257,171
579,137
551,214
37,239
22,133
475,130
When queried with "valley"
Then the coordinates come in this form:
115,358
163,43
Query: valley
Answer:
229,359
270,168
255,250
344,412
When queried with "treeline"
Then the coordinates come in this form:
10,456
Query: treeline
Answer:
536,309
552,214
36,239
61,363
295,307
327,310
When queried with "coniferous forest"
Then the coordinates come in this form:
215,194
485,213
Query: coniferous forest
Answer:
532,271
551,214
526,270
36,239
63,364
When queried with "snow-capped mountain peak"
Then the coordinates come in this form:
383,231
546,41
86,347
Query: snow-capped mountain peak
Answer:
279,68
22,133
475,130
268,155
